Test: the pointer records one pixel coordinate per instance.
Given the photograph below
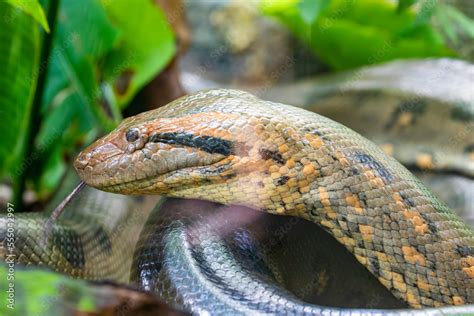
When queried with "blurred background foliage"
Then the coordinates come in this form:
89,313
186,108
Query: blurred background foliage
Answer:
65,84
347,34
71,68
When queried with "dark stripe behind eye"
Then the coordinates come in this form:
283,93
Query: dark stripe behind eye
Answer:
210,144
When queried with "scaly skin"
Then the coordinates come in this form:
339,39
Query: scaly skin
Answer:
230,147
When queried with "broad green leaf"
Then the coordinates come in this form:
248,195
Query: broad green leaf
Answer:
19,59
72,103
33,8
146,46
83,37
310,9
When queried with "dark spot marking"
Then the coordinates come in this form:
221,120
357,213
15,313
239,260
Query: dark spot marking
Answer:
353,227
375,266
317,133
433,228
465,250
103,240
229,176
414,106
282,180
432,265
397,269
363,198
268,154
260,184
369,161
348,234
408,201
209,144
311,130
314,211
469,149
461,112
354,171
69,244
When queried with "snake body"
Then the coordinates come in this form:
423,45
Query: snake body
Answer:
419,111
230,147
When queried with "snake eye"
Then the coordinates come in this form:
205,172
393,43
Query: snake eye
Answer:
132,135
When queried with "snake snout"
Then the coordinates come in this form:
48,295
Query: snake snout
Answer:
82,160
91,163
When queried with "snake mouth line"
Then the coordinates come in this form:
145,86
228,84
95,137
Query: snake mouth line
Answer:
144,182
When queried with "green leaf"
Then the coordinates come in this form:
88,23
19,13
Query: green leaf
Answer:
404,5
350,34
19,59
72,104
42,292
311,9
33,8
144,49
72,93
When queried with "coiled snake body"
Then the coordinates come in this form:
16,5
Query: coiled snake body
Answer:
229,147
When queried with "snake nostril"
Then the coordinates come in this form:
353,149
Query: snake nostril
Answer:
82,160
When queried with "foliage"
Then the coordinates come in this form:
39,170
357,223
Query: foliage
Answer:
19,58
100,58
310,10
32,297
33,8
346,34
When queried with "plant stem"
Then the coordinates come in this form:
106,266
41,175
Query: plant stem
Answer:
35,117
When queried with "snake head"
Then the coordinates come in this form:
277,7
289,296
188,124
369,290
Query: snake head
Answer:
199,146
148,157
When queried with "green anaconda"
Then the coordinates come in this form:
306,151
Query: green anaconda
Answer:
230,147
